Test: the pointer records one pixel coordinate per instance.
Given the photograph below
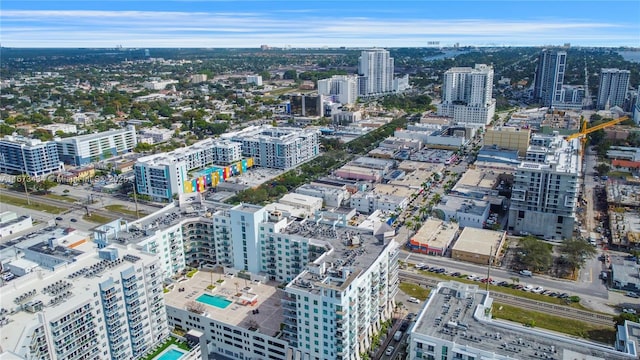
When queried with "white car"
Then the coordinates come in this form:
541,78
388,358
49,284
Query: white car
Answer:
420,266
389,350
538,290
413,300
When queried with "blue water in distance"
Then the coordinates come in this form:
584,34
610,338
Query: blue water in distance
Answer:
172,354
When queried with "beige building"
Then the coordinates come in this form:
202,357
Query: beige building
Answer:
434,237
508,138
478,246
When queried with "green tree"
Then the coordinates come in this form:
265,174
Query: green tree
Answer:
576,252
45,185
622,317
534,254
142,147
603,169
42,135
290,75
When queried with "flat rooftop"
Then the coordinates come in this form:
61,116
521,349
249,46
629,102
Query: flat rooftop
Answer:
479,241
57,291
478,178
411,165
234,289
436,233
456,203
395,190
455,312
349,248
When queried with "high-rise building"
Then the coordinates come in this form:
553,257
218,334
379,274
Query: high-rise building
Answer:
254,79
549,76
466,95
456,323
79,303
305,105
375,70
343,88
85,149
612,91
545,189
20,155
340,281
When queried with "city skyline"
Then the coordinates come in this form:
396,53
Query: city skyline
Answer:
185,23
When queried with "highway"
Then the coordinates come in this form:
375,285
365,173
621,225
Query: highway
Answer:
534,305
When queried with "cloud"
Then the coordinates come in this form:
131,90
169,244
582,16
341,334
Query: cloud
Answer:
83,28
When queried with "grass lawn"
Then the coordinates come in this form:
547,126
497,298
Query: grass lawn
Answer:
123,210
507,290
415,290
95,218
279,92
168,342
606,335
60,197
35,205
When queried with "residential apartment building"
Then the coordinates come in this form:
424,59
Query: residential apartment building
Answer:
367,203
85,149
20,155
342,88
466,95
456,323
157,134
255,80
161,176
549,76
375,70
612,91
545,189
277,147
340,280
104,304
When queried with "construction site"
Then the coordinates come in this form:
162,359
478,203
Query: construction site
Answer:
624,214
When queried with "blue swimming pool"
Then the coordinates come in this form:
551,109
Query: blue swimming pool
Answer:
212,300
171,354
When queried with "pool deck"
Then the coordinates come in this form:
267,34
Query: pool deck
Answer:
268,300
171,347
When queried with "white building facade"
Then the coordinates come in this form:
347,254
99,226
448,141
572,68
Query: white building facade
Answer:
466,95
375,70
612,91
85,149
342,88
545,189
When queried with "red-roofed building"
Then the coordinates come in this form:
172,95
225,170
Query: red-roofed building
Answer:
625,165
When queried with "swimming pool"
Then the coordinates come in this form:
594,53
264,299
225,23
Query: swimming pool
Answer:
216,301
171,353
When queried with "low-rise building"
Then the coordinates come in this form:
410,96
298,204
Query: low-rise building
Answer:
466,211
11,223
367,203
479,246
63,128
625,274
456,323
433,237
331,195
309,203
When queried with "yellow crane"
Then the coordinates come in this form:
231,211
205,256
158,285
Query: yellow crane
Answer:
584,131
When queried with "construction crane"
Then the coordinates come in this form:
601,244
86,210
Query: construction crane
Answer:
584,131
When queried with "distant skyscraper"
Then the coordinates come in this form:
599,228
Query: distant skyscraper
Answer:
549,76
614,84
375,68
466,94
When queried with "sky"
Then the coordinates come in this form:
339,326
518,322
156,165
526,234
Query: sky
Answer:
307,23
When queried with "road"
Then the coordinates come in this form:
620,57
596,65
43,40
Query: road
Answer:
540,306
600,291
73,207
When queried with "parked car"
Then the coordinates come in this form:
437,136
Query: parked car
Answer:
629,311
413,300
421,266
538,290
633,295
526,273
455,274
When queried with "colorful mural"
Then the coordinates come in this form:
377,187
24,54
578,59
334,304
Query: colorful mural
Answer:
211,177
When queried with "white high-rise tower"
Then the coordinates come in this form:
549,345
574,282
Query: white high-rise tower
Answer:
614,84
466,94
375,68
